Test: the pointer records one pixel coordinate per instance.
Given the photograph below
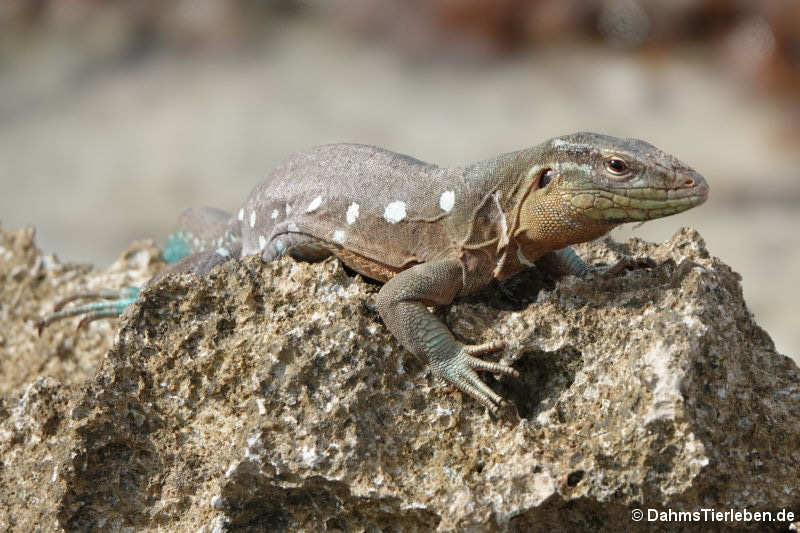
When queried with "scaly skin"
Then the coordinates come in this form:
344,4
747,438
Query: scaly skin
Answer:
594,183
433,234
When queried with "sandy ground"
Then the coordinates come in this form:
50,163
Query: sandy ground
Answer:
98,160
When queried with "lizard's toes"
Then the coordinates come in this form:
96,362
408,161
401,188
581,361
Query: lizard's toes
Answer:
469,353
108,303
489,366
461,374
486,347
468,382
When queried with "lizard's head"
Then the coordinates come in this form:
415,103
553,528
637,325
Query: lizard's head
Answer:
582,185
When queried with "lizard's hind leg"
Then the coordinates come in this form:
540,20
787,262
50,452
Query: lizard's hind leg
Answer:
112,302
206,237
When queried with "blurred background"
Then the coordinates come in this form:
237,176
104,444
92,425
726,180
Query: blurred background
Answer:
115,115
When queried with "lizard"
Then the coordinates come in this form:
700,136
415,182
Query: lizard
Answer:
431,234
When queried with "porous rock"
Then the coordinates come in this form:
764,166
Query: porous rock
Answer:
272,398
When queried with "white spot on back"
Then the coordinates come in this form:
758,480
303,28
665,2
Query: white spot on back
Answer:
274,214
315,203
262,242
252,219
352,213
223,252
292,227
395,212
279,246
241,214
447,200
288,209
338,236
196,242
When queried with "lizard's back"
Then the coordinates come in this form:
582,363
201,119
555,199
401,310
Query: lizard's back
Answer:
364,201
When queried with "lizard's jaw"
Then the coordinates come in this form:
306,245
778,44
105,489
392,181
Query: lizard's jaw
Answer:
638,204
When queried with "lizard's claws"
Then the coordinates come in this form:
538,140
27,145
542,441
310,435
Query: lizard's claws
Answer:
460,372
116,300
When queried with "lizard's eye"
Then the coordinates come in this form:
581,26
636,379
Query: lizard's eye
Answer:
616,166
545,177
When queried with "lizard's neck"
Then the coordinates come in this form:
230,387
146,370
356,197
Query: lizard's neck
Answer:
501,183
521,252
549,222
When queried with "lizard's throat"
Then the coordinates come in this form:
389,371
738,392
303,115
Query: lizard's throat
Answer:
545,231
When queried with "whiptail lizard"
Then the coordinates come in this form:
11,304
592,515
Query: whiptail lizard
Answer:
432,233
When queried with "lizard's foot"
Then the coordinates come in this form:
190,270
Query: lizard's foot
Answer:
624,264
460,372
116,302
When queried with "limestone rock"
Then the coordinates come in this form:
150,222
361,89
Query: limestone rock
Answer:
272,398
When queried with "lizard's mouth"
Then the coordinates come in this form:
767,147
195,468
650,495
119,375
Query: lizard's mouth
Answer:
640,204
680,198
695,188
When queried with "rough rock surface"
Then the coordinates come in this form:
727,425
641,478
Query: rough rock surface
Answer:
272,398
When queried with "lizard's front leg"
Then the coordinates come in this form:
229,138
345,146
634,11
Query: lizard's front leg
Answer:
566,261
402,303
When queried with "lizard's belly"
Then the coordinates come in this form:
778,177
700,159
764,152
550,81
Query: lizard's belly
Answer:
368,267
